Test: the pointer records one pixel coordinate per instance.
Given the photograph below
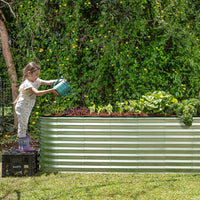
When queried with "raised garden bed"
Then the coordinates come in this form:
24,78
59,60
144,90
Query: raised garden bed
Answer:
119,144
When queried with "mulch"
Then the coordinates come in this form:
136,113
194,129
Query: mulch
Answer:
106,114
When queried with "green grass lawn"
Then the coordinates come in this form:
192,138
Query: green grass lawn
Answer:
148,186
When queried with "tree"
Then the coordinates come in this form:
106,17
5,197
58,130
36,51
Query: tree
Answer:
8,57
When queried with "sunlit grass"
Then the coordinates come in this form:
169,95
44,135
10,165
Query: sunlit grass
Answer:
102,186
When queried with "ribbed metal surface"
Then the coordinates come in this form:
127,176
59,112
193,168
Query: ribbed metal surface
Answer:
84,144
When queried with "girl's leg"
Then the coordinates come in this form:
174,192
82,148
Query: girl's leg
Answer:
23,115
22,126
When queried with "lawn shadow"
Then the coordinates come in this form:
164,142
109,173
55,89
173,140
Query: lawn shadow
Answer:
143,192
41,173
90,190
150,188
6,196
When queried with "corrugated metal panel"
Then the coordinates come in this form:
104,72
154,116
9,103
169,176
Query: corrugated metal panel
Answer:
84,144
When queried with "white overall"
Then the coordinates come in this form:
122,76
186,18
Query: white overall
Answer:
25,104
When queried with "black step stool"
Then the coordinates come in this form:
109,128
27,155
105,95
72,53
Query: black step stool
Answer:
19,163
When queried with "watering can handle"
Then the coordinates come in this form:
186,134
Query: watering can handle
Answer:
57,82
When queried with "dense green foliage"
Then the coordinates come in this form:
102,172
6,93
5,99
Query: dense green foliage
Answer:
185,110
109,51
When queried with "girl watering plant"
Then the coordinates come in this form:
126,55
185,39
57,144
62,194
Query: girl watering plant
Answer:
26,100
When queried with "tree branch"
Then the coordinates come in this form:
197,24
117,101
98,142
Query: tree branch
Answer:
9,7
2,15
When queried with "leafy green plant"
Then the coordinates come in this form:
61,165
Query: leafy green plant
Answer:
186,110
134,106
109,108
120,105
100,109
129,106
92,108
156,102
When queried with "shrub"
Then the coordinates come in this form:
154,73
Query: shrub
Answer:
186,110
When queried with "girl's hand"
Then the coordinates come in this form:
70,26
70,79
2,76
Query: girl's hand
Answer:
65,80
54,91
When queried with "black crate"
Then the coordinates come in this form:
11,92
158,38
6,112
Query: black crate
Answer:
18,163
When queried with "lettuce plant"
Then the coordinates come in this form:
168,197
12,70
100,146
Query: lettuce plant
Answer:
156,102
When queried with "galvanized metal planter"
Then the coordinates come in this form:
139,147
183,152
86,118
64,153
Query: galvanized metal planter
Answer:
136,144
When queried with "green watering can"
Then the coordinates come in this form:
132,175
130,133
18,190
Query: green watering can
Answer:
62,88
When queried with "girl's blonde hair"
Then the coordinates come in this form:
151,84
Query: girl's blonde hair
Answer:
32,67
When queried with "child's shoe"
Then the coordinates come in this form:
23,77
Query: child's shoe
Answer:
24,144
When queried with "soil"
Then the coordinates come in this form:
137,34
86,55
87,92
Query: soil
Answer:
105,114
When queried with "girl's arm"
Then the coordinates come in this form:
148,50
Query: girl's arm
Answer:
50,82
43,92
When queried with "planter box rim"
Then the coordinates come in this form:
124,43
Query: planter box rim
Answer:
121,117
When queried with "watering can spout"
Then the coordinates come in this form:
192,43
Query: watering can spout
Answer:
62,87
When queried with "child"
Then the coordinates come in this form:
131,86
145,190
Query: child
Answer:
26,100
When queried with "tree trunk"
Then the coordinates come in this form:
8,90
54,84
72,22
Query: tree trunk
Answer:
9,62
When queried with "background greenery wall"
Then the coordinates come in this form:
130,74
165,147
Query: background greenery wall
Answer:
109,50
